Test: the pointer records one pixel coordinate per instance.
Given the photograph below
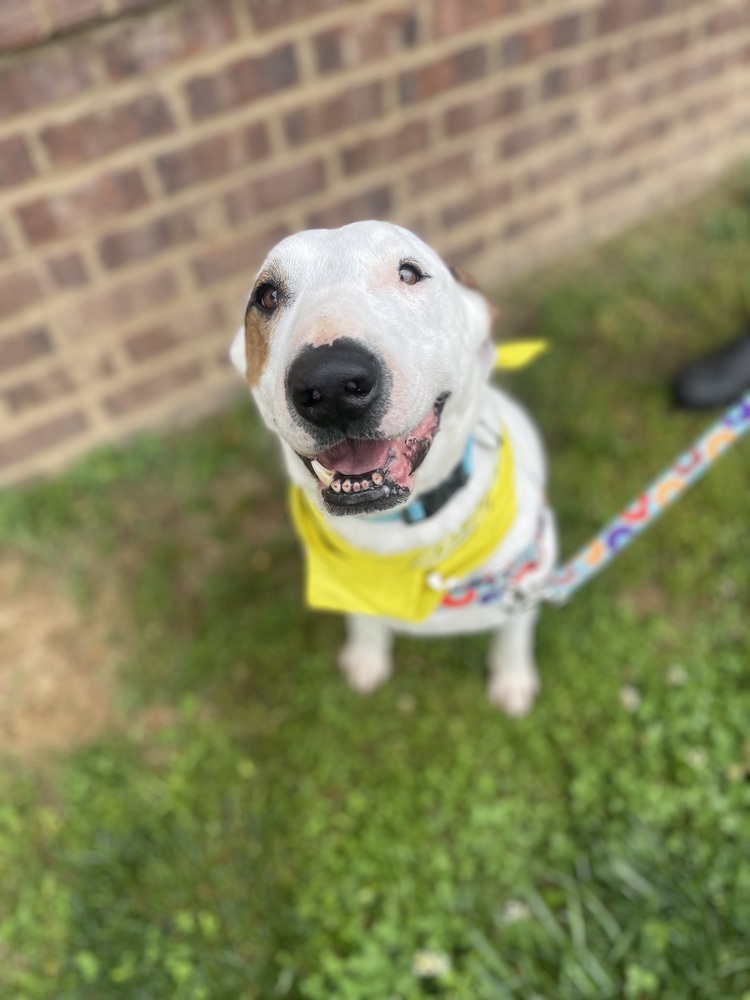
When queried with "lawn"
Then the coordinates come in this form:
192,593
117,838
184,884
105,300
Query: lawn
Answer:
243,826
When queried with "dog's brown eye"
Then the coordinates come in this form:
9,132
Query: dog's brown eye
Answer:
267,297
410,274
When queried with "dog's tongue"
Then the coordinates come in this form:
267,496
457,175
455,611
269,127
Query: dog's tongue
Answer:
354,458
396,457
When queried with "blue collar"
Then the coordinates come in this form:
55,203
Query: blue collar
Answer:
430,503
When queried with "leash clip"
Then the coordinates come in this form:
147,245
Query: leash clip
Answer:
436,581
518,600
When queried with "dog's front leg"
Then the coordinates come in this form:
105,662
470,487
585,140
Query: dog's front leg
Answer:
514,680
365,658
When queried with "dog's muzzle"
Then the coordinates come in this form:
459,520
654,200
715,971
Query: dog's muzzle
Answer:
341,392
360,475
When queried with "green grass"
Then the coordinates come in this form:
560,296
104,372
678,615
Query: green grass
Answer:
281,837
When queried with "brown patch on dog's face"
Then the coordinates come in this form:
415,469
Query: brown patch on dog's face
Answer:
256,344
264,302
469,281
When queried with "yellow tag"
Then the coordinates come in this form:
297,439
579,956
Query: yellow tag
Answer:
518,353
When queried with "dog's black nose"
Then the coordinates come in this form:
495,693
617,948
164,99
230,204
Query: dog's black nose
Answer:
336,385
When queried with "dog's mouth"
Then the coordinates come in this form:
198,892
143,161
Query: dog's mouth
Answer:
359,475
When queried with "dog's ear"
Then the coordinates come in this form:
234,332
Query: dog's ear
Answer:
469,281
238,352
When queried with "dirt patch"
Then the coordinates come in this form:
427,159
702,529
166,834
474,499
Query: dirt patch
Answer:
56,664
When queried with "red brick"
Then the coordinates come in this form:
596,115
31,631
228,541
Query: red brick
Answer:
716,104
99,133
267,14
177,33
453,71
44,76
56,216
96,314
652,48
611,185
464,253
65,14
211,158
688,76
727,20
523,46
528,137
130,5
558,169
274,190
19,25
47,388
19,290
641,134
68,270
233,257
374,204
190,325
451,17
24,347
478,203
560,81
353,107
458,167
377,150
614,15
5,248
42,437
148,240
152,390
364,40
242,82
602,68
557,82
15,162
565,31
483,110
524,224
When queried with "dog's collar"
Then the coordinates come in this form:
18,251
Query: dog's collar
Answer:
430,503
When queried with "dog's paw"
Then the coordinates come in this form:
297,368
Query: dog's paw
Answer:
364,669
514,691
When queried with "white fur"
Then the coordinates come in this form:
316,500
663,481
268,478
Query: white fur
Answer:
433,337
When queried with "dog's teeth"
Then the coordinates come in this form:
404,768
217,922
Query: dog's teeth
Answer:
377,478
336,486
323,474
365,484
346,486
356,487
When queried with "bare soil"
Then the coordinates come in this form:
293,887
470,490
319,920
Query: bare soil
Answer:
57,678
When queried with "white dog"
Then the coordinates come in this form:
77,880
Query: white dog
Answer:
370,359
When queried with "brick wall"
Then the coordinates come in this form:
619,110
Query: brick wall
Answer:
151,151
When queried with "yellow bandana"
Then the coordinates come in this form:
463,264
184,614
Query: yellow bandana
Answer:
341,577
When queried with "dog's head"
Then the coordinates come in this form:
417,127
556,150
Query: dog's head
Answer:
365,354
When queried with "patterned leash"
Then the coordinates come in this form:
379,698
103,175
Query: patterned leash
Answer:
645,509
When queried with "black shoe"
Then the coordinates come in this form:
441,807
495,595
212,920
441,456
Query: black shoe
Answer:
717,379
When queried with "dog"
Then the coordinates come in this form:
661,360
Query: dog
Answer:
418,489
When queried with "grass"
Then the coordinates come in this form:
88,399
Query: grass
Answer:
280,837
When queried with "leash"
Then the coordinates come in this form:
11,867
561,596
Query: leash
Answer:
641,512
